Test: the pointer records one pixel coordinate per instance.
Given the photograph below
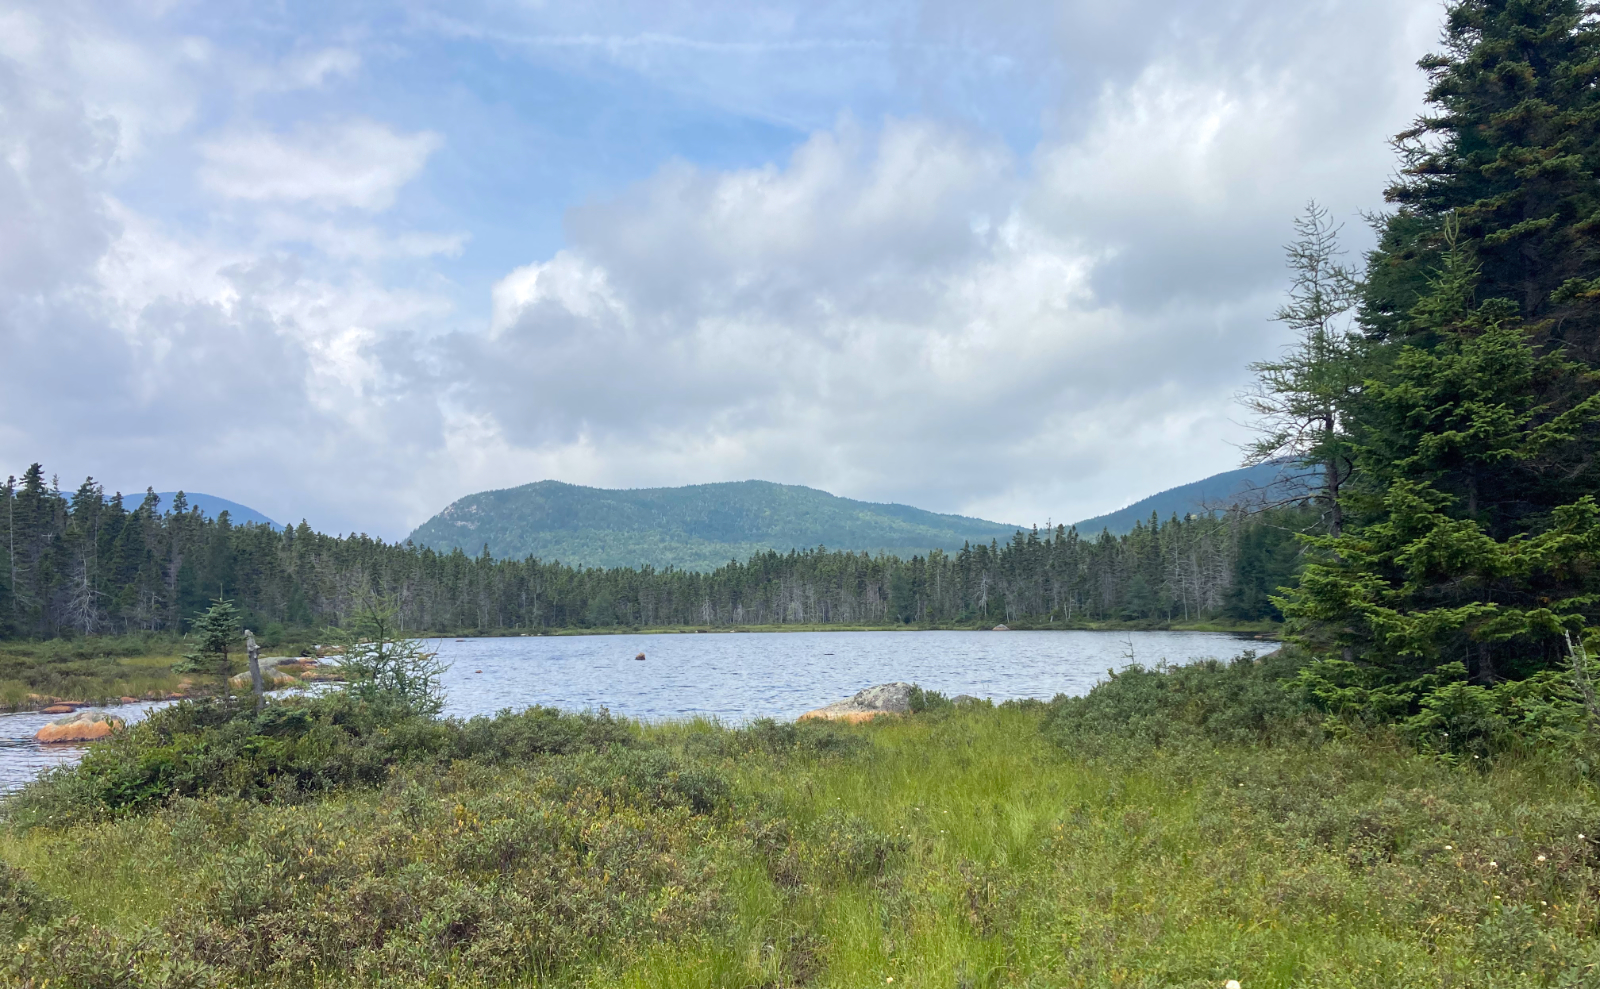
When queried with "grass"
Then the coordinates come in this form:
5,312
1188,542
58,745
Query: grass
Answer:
104,669
93,671
959,848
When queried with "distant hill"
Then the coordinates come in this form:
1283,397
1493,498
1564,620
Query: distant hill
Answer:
698,527
1215,492
210,506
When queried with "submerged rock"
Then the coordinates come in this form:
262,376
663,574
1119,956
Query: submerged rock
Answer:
83,726
885,698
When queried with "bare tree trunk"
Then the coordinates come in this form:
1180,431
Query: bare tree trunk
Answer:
253,651
1331,475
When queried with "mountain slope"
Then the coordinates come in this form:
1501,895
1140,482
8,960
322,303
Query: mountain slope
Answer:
698,527
211,506
1248,484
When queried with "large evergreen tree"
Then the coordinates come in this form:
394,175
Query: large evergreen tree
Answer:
1474,433
1510,149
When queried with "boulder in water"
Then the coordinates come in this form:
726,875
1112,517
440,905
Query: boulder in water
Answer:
885,698
82,726
59,709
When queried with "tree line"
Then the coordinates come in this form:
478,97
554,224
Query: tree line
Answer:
87,564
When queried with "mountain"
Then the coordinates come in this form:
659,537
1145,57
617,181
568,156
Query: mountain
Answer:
1248,484
210,506
698,527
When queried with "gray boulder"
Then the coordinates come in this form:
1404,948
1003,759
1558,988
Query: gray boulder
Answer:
885,698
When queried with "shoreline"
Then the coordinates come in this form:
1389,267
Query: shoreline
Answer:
148,677
1263,631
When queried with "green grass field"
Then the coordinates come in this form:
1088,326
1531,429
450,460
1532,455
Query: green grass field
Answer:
952,849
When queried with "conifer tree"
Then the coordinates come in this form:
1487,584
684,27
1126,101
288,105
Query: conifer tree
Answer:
1453,440
1475,430
1510,149
215,632
1299,399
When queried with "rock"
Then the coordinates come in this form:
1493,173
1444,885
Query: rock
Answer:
885,698
271,679
60,709
82,726
640,657
1000,628
128,700
960,699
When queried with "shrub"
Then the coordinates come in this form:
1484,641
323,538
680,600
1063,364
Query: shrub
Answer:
928,700
769,737
1245,700
21,902
289,750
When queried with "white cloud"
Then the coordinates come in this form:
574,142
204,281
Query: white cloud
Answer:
357,163
915,308
910,313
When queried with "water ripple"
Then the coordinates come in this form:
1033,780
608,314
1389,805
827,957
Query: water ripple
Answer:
731,676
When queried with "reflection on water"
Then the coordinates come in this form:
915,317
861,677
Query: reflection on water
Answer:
733,676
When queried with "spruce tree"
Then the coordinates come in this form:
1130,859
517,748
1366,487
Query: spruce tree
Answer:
215,632
1476,428
1454,563
1510,149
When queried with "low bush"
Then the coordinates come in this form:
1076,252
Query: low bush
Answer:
473,875
1442,713
768,737
923,701
1247,700
290,751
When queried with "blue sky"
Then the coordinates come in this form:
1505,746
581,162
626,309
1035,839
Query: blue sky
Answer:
350,261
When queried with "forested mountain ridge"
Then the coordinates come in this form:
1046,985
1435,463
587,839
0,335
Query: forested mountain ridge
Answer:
82,564
211,506
697,527
1248,486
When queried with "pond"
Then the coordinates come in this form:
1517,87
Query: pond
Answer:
735,676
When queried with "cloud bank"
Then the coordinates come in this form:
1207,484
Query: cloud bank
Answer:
259,297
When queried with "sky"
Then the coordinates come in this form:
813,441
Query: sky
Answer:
350,261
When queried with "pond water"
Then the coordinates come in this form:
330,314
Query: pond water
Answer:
734,676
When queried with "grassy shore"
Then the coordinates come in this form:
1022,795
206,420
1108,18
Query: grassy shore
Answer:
105,669
1018,846
90,671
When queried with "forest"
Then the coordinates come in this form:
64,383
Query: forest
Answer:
84,564
1443,391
